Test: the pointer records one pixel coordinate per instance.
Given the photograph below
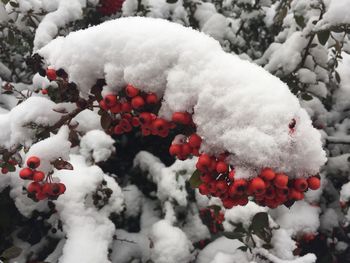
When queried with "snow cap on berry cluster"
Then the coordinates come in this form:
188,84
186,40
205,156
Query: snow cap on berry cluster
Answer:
237,106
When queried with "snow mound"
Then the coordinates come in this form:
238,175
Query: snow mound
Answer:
237,106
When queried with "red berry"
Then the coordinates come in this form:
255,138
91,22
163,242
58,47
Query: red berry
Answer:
206,178
38,176
221,167
175,149
242,201
270,193
135,122
182,117
55,189
51,74
126,107
195,152
195,141
231,175
137,102
33,187
295,195
62,188
146,131
257,186
110,100
160,126
314,183
229,203
40,196
267,174
125,125
117,108
300,184
4,170
44,91
151,98
33,162
131,91
145,118
203,189
221,187
47,189
186,149
204,163
26,173
118,130
103,105
281,181
282,192
238,187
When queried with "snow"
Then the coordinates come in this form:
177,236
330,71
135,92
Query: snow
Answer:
96,146
195,75
337,13
170,244
35,110
89,230
300,218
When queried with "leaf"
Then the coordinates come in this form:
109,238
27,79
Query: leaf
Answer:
239,228
260,221
243,248
11,252
300,21
267,246
233,235
171,1
306,96
11,168
313,45
337,76
195,180
60,110
5,1
61,164
14,4
323,36
106,120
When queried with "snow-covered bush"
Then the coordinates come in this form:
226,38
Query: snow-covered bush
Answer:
107,132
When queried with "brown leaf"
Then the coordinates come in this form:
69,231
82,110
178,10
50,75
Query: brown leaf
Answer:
61,164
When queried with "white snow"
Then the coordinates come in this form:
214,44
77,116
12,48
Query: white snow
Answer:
196,75
96,146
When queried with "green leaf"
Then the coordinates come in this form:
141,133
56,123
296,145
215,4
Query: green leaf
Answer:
233,235
240,229
300,21
106,120
171,1
337,76
11,168
267,246
195,180
323,36
11,252
260,221
243,248
14,4
306,96
5,1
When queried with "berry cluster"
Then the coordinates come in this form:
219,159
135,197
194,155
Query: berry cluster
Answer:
133,108
42,187
212,219
8,165
268,189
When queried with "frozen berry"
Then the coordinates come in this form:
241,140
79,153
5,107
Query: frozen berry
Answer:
175,149
110,100
33,187
221,167
33,162
151,98
267,174
281,181
4,170
300,184
203,189
38,176
257,186
131,91
26,173
51,74
195,141
137,102
314,183
182,117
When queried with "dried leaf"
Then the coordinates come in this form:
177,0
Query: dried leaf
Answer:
61,164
